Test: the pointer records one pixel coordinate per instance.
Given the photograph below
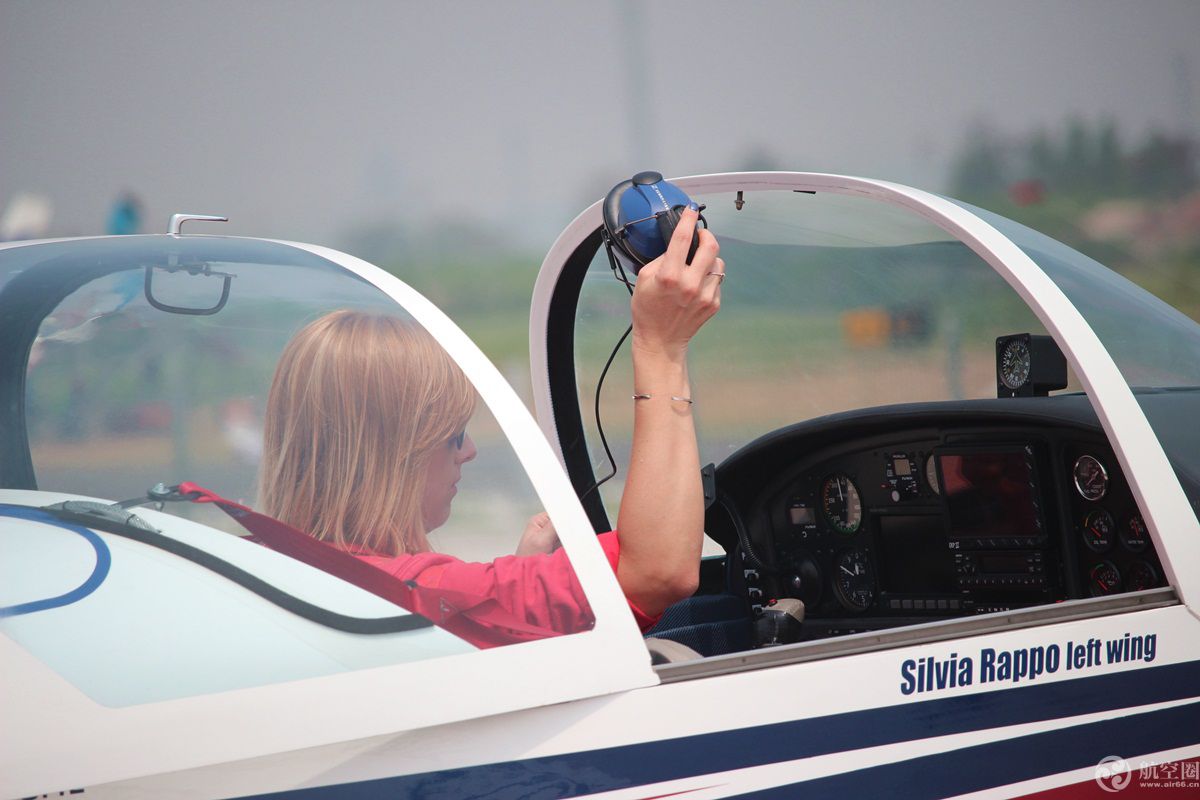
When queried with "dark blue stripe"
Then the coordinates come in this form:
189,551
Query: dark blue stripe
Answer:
651,762
99,573
973,769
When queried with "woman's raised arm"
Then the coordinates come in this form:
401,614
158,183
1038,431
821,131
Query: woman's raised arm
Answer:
661,519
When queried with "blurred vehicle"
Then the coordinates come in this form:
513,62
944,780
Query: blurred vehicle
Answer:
913,585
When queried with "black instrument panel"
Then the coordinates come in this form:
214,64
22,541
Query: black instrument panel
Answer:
890,529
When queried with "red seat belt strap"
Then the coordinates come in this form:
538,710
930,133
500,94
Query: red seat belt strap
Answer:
460,612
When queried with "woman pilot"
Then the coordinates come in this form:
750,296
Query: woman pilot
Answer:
365,443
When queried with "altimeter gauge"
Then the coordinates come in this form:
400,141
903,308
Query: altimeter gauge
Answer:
853,584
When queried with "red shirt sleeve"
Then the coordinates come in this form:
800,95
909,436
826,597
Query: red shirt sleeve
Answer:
540,590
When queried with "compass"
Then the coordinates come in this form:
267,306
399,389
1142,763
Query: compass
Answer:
1014,364
1028,366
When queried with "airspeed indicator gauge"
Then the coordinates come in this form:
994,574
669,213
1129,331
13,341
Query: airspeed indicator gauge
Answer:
841,504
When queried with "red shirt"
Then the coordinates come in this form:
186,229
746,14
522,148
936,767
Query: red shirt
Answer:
511,599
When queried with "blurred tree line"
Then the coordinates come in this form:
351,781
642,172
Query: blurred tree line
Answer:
474,272
1086,161
1132,205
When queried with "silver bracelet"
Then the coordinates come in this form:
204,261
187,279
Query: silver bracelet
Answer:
687,400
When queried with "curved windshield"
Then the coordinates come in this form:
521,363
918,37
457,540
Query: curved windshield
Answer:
121,395
1153,344
832,303
280,381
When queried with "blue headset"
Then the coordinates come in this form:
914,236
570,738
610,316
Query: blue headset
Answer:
640,214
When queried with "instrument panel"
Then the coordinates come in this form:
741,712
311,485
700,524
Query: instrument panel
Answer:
901,530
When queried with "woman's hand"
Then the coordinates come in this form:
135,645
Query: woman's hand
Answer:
672,298
539,536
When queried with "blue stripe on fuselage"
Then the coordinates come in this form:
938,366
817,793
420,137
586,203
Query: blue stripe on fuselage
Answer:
1023,758
652,762
99,572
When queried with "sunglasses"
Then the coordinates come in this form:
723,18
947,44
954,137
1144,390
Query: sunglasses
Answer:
458,439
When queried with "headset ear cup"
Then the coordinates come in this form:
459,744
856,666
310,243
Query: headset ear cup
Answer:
639,259
611,209
611,212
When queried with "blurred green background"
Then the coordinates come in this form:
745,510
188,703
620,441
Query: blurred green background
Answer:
1132,203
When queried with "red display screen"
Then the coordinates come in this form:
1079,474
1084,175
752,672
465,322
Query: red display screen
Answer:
990,494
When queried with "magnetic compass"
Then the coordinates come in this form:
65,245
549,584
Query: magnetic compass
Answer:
1028,366
1014,364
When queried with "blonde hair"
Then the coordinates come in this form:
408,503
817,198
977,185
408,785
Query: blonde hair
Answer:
358,406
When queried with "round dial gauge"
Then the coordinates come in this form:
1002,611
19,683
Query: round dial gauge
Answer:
1141,576
1014,364
1091,478
852,582
931,474
1104,578
1134,535
1098,530
841,504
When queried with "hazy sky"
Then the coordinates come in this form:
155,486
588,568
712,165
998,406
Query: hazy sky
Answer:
306,119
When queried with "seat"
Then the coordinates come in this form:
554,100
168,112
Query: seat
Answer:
666,651
710,624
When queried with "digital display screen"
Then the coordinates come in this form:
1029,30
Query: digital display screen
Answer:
902,466
915,555
994,563
801,515
990,494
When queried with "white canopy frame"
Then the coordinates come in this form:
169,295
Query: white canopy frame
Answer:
1173,525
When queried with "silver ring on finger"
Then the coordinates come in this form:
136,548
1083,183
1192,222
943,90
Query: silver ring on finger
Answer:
720,276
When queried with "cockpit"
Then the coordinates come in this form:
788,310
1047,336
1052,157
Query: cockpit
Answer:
865,456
